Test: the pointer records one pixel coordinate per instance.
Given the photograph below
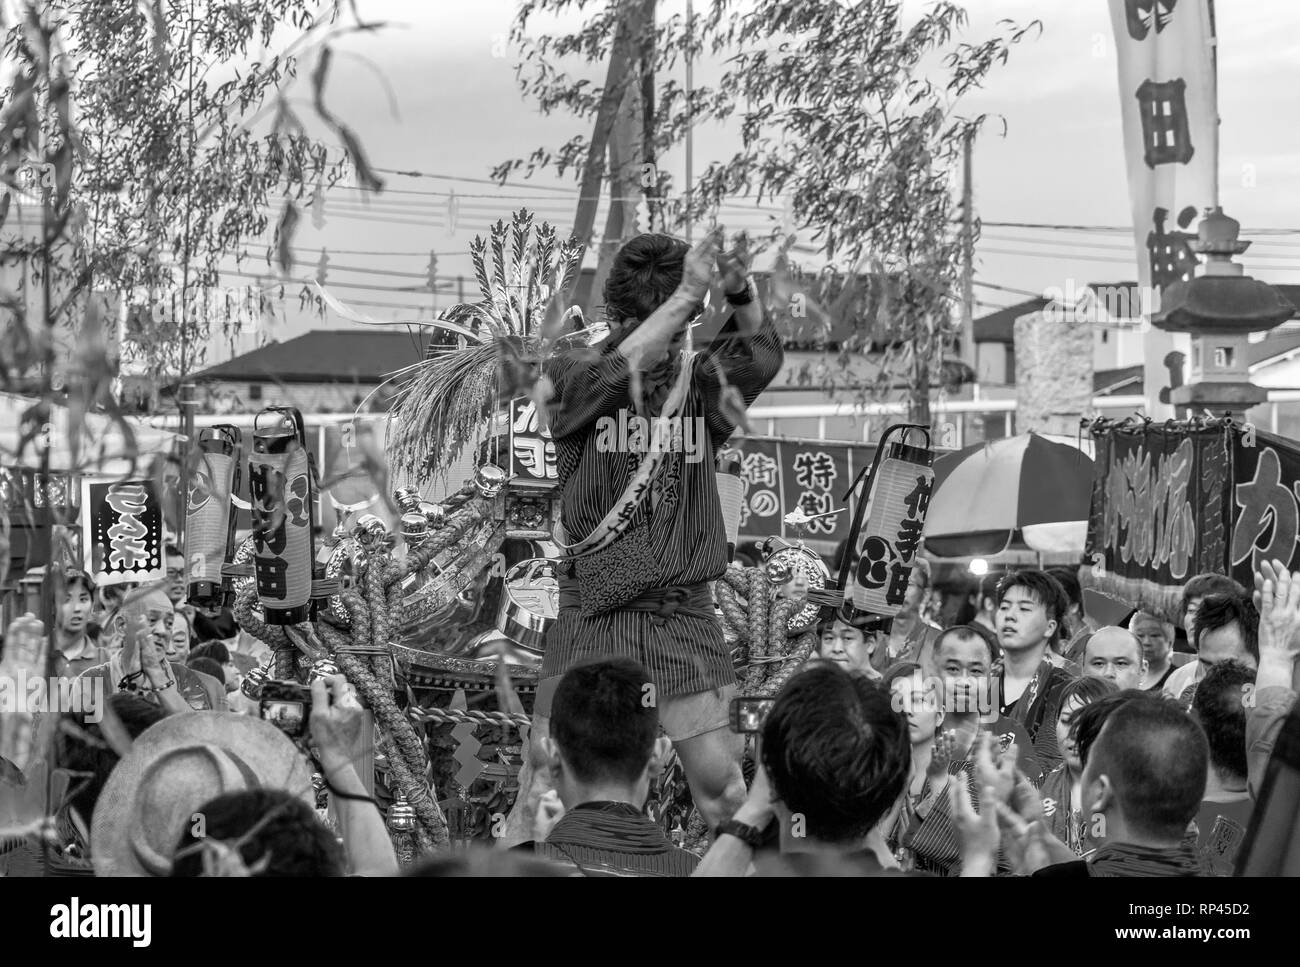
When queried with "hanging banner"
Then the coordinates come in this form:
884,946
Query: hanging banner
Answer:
1265,503
1160,510
779,475
1165,53
532,451
122,531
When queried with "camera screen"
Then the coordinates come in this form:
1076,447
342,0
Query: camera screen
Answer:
286,716
748,714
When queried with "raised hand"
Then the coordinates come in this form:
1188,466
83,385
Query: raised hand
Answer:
996,772
336,722
945,749
979,833
734,270
1277,597
1029,845
549,812
697,269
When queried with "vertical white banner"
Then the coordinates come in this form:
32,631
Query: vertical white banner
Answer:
1165,51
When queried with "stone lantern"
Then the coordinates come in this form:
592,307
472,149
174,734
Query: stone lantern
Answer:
1220,308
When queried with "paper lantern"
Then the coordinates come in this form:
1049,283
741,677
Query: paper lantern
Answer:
209,516
731,494
281,485
898,498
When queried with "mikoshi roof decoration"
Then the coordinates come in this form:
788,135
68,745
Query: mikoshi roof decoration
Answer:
445,401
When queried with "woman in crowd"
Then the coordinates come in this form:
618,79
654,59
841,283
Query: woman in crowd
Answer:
1060,792
923,836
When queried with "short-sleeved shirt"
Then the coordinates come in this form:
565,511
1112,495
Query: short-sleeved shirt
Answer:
201,692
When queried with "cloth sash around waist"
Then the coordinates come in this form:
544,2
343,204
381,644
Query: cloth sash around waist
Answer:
687,600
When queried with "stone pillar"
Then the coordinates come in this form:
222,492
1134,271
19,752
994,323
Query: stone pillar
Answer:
1053,370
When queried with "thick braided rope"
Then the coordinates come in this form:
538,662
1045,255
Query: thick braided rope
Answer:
778,630
737,579
733,615
803,649
377,602
442,715
759,605
272,635
360,616
409,760
415,790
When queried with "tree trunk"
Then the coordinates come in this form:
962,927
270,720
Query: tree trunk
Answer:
617,78
625,154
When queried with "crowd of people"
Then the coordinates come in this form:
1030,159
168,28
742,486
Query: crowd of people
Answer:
967,750
1033,735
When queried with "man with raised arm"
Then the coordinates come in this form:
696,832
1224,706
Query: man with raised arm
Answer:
637,425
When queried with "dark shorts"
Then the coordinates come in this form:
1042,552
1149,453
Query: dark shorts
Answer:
684,654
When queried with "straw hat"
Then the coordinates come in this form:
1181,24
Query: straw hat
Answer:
174,768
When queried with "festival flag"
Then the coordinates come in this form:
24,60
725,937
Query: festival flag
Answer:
1165,51
122,531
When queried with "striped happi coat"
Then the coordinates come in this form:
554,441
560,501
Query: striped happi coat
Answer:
681,538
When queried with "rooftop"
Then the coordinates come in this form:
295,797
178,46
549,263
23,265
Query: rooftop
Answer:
325,356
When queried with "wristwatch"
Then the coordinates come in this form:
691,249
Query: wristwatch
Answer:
750,835
744,297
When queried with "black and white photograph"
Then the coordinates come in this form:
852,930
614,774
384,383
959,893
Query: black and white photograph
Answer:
649,438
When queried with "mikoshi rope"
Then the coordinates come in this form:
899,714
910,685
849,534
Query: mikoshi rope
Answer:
761,627
363,652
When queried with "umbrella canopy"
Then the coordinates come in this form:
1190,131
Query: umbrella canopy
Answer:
1024,488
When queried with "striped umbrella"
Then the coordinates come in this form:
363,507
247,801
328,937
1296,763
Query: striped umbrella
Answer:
1022,491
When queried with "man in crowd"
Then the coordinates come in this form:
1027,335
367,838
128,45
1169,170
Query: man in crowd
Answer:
1226,628
1031,607
176,583
1115,655
911,637
852,639
962,662
138,634
1197,590
1220,707
75,650
643,590
1157,640
835,757
604,750
1143,778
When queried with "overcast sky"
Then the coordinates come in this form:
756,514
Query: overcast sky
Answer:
1061,160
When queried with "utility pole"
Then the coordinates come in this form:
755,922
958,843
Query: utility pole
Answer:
968,258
